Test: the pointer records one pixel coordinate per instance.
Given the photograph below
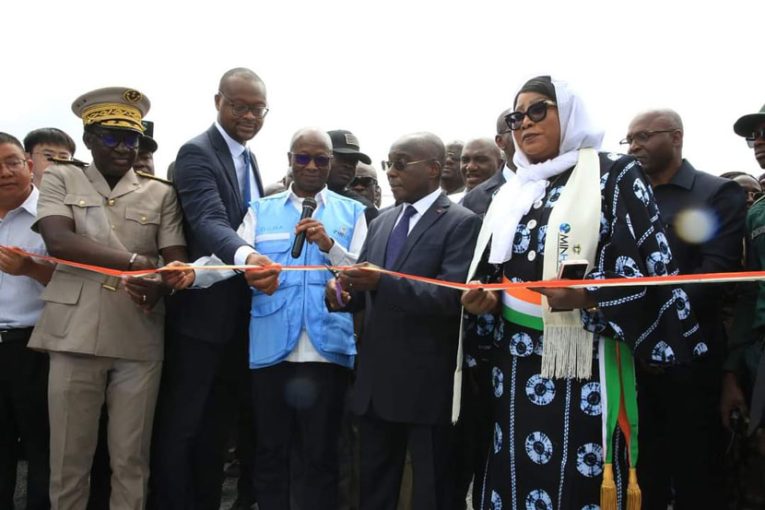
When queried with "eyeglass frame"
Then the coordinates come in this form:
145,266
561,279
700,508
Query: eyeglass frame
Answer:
18,163
50,155
757,134
100,133
250,109
648,134
293,155
395,164
547,102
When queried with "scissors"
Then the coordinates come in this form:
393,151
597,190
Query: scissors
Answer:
338,287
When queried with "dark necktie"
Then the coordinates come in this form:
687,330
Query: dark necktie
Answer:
246,188
398,237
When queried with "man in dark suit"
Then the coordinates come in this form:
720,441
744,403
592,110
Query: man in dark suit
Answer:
205,370
479,198
407,356
680,430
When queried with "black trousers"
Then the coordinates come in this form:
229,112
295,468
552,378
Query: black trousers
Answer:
202,383
298,410
383,451
471,437
680,437
24,416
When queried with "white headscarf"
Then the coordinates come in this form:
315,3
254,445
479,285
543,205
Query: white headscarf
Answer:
515,198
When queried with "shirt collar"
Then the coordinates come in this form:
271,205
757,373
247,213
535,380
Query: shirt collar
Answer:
321,196
684,176
235,148
30,203
425,202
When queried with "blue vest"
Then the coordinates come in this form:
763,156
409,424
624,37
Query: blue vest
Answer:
276,321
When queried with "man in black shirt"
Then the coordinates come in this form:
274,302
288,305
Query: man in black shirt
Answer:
346,154
680,429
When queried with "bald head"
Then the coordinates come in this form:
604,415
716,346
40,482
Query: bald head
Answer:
241,73
655,138
480,160
315,135
501,123
425,145
420,157
309,158
504,139
364,170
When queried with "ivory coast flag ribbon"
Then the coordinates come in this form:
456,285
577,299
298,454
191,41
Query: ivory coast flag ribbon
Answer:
618,390
523,307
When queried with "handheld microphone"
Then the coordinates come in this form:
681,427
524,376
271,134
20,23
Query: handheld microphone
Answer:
309,206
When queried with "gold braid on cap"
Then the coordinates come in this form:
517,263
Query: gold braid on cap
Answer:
116,115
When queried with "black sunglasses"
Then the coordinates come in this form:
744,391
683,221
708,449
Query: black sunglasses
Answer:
363,181
112,138
757,134
305,159
401,165
536,112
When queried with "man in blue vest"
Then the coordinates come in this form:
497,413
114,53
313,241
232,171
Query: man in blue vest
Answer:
301,355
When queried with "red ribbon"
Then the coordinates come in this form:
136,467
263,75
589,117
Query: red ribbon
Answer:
607,282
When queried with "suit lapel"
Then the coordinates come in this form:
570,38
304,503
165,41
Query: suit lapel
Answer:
434,212
226,160
256,171
377,254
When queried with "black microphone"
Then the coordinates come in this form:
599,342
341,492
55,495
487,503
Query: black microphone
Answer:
309,206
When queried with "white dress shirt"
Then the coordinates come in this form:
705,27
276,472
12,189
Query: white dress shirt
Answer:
20,303
237,151
421,206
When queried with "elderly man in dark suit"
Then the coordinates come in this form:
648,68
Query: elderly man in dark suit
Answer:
407,356
479,198
216,177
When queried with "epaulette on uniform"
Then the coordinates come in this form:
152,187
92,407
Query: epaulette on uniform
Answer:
150,176
75,162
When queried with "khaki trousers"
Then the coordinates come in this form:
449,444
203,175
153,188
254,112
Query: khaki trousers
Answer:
77,387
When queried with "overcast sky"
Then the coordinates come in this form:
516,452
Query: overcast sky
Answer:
386,68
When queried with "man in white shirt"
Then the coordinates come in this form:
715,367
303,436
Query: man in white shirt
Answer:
23,372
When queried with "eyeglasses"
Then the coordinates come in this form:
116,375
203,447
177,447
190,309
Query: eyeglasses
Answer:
241,109
13,164
757,134
364,182
113,138
536,112
53,155
643,136
401,165
508,130
305,159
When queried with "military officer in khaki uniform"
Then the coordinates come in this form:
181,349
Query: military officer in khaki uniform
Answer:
105,335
